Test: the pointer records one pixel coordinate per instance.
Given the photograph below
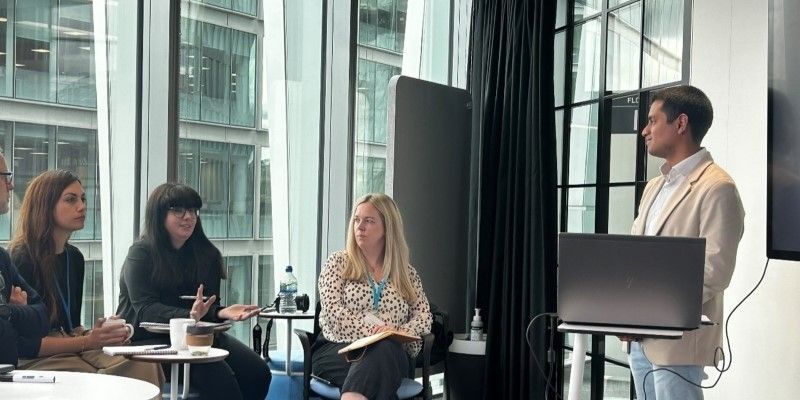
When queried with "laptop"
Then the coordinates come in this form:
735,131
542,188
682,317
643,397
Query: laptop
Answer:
617,284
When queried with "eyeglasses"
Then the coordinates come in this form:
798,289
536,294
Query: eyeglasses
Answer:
180,212
8,176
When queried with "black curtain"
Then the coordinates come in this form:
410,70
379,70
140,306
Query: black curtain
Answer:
511,81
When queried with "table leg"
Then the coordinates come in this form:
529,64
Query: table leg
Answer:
576,370
185,381
289,347
173,385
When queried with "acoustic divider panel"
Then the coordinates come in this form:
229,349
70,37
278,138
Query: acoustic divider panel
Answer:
427,173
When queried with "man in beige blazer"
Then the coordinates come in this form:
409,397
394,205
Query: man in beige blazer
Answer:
693,197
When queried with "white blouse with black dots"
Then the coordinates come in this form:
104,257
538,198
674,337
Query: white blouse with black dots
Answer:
345,303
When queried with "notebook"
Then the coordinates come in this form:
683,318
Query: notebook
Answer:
147,350
650,282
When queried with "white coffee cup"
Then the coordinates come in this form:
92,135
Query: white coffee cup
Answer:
120,321
177,332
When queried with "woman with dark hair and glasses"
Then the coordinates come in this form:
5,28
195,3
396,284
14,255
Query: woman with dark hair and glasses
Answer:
53,208
173,257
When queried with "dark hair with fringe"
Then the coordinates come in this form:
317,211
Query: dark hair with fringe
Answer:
155,236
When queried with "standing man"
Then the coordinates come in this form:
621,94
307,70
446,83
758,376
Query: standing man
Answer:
23,317
692,197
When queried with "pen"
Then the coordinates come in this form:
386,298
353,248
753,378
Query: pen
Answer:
162,347
28,378
190,297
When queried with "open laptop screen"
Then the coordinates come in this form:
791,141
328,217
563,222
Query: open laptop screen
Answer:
626,280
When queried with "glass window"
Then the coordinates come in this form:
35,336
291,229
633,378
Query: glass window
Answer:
624,39
367,21
621,209
76,151
585,8
188,70
583,145
92,293
218,3
189,163
243,79
76,53
242,192
559,144
32,152
559,66
6,59
236,290
215,74
6,135
34,76
586,61
265,204
561,13
663,42
370,175
213,188
581,209
245,6
624,138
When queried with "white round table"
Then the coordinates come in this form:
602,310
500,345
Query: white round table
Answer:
289,317
79,385
183,357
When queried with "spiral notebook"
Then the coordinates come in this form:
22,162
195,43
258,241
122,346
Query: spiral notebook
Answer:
148,350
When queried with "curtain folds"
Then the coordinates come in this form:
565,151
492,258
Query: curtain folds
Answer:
511,81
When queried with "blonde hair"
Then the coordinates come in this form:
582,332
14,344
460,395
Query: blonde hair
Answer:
396,255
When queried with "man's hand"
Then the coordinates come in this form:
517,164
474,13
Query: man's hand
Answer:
239,312
18,296
200,307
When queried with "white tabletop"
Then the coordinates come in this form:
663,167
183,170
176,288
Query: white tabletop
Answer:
79,385
296,315
183,356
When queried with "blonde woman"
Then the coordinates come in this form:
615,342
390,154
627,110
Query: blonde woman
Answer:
368,288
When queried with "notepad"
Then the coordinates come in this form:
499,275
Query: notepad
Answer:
391,334
147,350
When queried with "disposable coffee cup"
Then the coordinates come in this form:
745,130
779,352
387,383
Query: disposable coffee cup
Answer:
199,339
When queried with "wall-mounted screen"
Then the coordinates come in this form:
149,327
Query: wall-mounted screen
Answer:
783,138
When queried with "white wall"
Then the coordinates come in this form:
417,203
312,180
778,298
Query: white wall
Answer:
729,62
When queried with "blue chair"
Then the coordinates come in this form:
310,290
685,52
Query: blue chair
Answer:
313,387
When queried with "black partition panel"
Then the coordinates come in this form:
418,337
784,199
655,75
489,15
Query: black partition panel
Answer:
427,173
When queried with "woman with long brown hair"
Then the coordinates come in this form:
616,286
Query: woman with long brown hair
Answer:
53,208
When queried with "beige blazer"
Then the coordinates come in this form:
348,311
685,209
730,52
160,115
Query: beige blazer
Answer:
707,204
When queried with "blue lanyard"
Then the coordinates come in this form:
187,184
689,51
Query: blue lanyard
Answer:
377,290
65,300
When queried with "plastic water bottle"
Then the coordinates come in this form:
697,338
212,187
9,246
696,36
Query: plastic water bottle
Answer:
288,292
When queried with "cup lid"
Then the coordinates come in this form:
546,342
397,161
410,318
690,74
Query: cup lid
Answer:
199,329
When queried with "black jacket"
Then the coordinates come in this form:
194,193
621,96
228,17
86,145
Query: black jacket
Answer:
22,331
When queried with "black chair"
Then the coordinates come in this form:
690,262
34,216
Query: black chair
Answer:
409,388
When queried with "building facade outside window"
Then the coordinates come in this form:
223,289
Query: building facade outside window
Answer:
48,98
609,55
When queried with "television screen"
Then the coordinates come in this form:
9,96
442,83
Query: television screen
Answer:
783,131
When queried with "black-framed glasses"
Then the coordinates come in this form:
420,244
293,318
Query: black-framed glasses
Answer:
181,212
8,176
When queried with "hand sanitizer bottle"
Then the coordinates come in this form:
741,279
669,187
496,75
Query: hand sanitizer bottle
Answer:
476,326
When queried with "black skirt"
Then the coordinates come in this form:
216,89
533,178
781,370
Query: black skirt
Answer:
376,375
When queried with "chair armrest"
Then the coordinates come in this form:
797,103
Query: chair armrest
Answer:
305,339
427,345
